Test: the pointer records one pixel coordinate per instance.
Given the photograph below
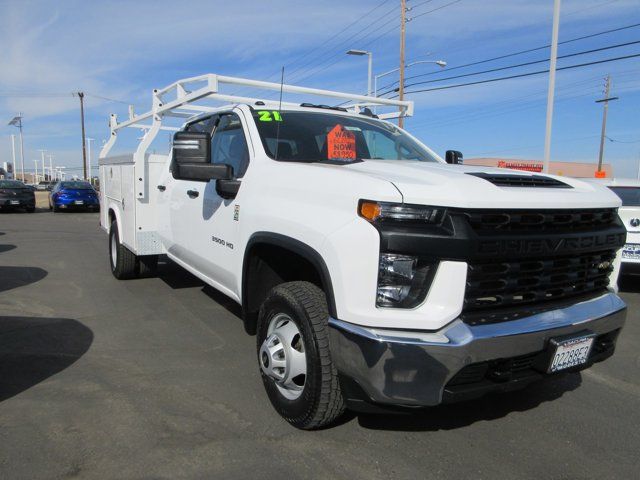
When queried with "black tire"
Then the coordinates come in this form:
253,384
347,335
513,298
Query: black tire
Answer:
55,208
147,265
321,402
50,207
124,265
30,209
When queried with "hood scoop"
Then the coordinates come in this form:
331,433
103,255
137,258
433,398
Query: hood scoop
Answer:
522,181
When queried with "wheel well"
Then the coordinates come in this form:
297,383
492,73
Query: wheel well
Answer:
267,265
112,216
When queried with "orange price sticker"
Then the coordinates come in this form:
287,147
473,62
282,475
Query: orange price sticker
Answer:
341,144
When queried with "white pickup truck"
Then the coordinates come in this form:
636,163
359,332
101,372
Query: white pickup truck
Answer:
375,274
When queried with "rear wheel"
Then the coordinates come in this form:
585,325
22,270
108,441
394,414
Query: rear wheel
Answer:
123,261
294,356
30,209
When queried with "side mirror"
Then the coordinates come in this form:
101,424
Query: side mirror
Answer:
191,147
192,158
453,157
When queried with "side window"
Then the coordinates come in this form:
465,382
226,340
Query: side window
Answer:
203,125
229,145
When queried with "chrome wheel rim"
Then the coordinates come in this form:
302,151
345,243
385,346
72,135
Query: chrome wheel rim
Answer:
114,251
282,356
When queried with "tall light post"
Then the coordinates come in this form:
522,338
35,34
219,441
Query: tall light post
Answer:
440,63
50,167
44,175
13,149
89,140
36,177
17,122
552,85
360,53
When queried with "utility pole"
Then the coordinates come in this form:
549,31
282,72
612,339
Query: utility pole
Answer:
552,85
89,140
403,21
84,142
605,100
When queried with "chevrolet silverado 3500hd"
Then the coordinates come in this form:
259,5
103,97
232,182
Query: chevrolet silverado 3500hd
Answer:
373,273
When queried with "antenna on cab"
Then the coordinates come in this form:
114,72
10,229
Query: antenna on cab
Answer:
279,119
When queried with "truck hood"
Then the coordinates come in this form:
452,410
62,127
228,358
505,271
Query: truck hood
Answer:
430,183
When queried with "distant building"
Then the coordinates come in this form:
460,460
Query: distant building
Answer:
567,169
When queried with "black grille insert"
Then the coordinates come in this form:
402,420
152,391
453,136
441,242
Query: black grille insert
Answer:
512,180
500,284
484,221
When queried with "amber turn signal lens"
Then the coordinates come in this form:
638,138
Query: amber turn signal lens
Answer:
370,210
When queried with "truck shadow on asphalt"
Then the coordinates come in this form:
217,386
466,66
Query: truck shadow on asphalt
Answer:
177,277
490,407
14,277
33,349
6,247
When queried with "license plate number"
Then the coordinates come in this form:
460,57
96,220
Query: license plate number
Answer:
631,251
570,352
15,202
79,202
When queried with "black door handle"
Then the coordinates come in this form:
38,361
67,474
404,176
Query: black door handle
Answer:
192,193
162,188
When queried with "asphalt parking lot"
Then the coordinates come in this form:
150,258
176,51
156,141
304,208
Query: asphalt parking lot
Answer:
155,378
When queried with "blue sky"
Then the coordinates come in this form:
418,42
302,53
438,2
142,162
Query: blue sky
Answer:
120,50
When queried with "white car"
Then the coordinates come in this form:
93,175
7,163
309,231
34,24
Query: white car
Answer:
628,189
373,273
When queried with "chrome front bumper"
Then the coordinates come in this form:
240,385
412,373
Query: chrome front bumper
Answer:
412,368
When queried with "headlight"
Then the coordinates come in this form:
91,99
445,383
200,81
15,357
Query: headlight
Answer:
399,212
402,280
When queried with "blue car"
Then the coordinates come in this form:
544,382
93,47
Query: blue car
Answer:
73,195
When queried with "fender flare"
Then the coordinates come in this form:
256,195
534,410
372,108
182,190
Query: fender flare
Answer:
112,207
296,246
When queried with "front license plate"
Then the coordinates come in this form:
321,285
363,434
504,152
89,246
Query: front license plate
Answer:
570,352
15,202
631,251
79,202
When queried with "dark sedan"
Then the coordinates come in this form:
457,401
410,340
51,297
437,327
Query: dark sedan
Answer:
15,194
74,194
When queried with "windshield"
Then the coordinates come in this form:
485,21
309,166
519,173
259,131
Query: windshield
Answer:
11,184
324,137
77,185
630,196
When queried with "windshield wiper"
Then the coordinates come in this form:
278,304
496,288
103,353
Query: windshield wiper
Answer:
325,107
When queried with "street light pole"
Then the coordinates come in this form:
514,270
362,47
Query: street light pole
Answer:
17,122
369,65
552,85
36,177
44,177
13,149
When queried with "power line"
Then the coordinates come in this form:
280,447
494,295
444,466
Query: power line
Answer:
434,10
521,52
585,52
344,41
107,98
446,87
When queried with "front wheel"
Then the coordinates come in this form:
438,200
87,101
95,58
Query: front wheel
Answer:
294,356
